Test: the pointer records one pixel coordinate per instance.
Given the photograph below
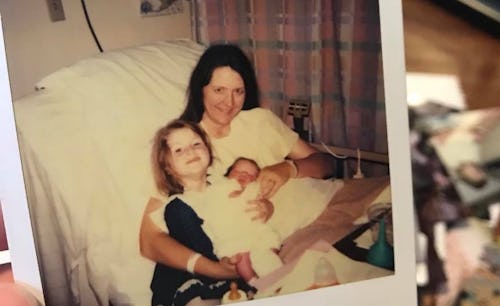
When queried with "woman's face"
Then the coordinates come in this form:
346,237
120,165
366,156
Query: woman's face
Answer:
223,97
189,156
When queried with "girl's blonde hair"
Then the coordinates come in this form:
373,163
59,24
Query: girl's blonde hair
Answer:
165,180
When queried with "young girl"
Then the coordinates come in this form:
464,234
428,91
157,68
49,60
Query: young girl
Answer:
202,217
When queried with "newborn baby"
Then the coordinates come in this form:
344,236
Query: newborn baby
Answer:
228,222
296,204
244,171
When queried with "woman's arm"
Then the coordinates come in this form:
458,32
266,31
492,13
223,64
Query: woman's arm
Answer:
307,162
158,246
310,162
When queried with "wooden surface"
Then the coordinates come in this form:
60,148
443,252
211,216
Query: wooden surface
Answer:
439,41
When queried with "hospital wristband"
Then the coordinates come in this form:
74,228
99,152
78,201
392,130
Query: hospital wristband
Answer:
191,262
295,170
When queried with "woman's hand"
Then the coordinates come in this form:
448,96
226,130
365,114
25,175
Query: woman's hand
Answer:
227,268
244,266
263,209
271,178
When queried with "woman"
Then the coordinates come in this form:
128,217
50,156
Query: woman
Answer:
223,98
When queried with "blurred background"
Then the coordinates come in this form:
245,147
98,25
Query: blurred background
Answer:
452,50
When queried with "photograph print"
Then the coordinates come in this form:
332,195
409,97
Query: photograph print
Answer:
251,161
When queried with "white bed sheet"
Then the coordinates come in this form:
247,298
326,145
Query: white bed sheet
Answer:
85,142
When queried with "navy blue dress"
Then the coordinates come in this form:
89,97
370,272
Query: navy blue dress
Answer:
172,286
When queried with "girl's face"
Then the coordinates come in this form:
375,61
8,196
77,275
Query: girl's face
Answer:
189,156
223,97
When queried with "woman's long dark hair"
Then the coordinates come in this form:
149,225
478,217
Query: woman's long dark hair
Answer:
221,55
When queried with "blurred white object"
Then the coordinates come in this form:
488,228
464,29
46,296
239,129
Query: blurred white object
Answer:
421,256
439,88
440,239
494,212
4,257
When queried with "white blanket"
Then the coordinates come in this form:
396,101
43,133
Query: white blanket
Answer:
299,202
230,228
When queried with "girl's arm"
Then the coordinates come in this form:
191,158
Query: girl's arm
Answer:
306,161
158,246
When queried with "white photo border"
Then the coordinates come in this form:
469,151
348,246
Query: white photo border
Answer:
398,289
12,192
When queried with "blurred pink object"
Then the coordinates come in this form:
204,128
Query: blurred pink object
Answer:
16,295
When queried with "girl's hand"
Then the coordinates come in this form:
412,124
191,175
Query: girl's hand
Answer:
271,178
263,209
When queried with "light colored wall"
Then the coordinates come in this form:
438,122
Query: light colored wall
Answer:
36,46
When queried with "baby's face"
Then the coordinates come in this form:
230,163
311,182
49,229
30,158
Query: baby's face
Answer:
244,172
